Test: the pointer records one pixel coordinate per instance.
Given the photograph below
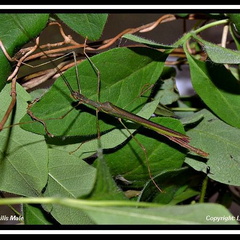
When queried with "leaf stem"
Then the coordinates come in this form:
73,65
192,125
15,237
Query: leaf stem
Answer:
186,36
212,24
203,190
76,203
182,109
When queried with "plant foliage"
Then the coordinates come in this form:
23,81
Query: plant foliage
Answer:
72,165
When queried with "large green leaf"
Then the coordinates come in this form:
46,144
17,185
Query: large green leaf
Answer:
221,142
88,25
15,31
218,88
185,215
130,162
68,177
124,73
23,156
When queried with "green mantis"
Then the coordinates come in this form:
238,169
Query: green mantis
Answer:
115,111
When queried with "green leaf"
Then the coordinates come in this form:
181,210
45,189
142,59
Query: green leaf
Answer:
130,162
65,171
177,185
221,142
87,25
235,19
105,188
218,88
168,93
147,42
124,72
23,156
35,215
68,177
187,215
15,31
220,54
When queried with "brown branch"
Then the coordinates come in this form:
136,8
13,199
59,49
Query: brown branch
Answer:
13,78
104,44
146,27
20,61
11,105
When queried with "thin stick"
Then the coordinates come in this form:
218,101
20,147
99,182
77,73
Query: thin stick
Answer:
11,105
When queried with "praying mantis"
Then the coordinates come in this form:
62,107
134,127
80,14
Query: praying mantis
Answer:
116,111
